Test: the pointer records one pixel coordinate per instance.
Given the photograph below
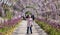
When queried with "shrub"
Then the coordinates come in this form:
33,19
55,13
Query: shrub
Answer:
48,28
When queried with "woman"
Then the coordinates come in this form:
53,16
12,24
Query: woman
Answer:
29,24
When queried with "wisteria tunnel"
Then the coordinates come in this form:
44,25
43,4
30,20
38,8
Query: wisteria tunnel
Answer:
13,19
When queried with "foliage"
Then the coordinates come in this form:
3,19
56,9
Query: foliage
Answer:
8,15
48,28
10,24
29,7
28,13
6,9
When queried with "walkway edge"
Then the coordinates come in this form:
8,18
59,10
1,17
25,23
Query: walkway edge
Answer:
11,31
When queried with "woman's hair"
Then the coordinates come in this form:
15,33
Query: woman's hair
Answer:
28,16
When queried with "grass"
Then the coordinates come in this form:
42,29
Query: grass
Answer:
48,28
3,29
